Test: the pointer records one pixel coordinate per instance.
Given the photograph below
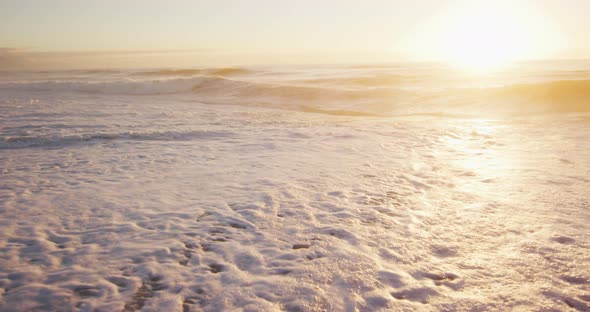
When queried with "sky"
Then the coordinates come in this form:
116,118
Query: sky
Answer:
134,33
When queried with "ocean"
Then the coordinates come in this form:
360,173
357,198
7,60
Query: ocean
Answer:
406,186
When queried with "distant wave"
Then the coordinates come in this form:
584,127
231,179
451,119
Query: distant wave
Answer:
129,87
171,72
378,95
336,112
554,96
97,71
379,80
203,85
221,86
15,142
223,71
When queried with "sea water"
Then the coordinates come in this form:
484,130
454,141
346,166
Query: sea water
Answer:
303,188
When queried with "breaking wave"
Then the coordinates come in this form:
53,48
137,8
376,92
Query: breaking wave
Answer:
375,95
554,96
224,71
381,80
125,87
15,142
217,86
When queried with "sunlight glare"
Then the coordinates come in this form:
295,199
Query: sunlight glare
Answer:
484,36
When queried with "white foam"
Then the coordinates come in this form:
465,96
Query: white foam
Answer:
160,204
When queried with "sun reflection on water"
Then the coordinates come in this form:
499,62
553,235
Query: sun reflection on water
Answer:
479,154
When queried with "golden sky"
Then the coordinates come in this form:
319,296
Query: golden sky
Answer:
133,33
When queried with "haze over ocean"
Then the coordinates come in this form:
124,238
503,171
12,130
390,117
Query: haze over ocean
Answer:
266,155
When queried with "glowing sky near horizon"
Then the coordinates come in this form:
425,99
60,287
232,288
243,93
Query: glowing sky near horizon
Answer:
238,31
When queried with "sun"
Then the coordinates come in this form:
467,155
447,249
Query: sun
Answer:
483,36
